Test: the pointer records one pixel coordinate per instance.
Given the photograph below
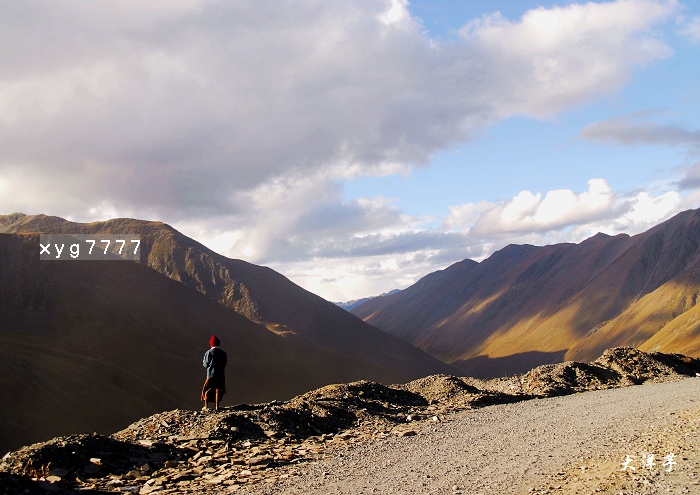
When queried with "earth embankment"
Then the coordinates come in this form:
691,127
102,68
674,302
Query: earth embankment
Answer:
575,444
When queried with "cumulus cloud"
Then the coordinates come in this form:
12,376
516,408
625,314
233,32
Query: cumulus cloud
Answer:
238,121
691,29
530,212
178,108
563,215
362,265
564,55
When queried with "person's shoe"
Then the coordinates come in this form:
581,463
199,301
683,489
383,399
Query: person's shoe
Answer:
205,408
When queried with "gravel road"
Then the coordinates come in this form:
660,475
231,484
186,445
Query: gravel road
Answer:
570,445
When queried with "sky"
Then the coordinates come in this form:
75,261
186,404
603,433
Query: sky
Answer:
357,146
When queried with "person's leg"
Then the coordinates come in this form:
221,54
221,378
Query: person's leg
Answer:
216,404
206,391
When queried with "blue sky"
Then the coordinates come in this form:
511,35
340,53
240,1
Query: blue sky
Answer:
354,146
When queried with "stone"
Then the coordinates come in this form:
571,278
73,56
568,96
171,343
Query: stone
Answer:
58,472
133,474
149,489
406,433
220,479
203,460
91,469
259,459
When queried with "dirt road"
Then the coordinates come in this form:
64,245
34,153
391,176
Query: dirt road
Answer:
570,445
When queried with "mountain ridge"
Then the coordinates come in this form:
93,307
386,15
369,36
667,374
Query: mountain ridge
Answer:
256,292
527,305
99,343
93,345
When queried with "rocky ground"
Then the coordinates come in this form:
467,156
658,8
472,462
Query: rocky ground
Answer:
281,446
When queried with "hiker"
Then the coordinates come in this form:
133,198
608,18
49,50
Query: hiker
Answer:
215,385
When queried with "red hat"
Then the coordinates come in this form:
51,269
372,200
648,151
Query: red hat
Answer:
214,341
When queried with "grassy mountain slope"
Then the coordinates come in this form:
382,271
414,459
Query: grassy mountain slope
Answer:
528,305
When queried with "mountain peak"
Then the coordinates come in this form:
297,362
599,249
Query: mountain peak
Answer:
528,305
121,321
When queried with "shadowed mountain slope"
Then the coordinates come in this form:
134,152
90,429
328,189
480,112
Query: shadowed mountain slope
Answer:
528,305
93,345
258,293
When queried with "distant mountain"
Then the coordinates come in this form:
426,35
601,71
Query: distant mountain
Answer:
93,345
527,305
350,305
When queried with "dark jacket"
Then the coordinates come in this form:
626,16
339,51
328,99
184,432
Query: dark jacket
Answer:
215,360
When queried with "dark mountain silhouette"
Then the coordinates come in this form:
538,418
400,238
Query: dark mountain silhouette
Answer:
528,305
94,345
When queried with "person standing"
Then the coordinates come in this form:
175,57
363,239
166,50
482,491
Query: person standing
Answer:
214,388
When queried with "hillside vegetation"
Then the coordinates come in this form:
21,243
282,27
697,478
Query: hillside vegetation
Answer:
528,305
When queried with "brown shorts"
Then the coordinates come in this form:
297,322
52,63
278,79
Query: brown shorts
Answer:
211,386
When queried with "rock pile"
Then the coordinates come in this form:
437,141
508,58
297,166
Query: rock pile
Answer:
218,452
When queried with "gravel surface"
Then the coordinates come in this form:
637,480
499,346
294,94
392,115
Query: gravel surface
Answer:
572,445
562,428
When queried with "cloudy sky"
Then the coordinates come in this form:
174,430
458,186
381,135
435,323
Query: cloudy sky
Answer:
353,146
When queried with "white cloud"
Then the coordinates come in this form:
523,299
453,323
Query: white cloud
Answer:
180,109
564,216
349,262
565,55
691,29
529,212
396,13
465,215
237,121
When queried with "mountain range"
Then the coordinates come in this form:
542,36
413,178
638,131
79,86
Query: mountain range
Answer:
530,305
94,345
350,305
